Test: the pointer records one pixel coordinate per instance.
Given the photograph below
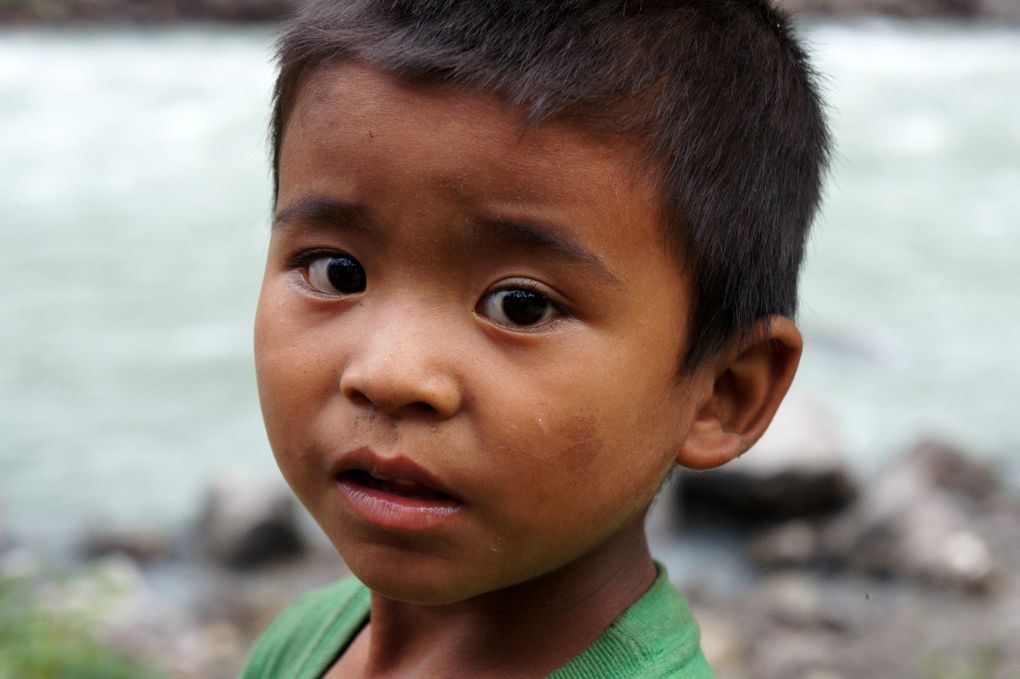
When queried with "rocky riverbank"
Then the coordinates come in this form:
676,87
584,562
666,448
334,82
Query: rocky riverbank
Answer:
167,11
795,567
916,577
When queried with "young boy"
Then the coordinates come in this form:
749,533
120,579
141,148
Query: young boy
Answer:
527,258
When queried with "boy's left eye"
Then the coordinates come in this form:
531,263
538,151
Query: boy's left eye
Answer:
335,273
520,306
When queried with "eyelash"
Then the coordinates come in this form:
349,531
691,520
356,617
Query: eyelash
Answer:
531,287
300,265
302,259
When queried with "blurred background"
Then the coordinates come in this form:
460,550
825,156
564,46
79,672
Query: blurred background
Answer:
143,528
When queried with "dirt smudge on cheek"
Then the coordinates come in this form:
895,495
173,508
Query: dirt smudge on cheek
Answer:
572,443
583,444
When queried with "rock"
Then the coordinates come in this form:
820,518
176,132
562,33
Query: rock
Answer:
1003,10
245,523
20,563
816,673
951,469
793,654
721,643
91,594
243,10
139,544
797,602
164,633
794,544
796,470
913,523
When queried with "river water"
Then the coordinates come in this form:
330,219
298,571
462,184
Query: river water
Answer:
134,203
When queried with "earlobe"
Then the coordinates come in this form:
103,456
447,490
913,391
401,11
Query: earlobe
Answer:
749,383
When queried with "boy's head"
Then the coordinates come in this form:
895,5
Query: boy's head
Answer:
498,227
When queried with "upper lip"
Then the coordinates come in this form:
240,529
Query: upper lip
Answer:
395,468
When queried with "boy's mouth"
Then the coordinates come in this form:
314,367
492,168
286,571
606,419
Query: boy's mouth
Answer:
395,486
395,494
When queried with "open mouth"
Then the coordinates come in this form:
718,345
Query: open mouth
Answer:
395,493
394,486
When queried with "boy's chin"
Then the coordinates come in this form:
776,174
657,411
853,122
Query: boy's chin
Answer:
414,583
420,578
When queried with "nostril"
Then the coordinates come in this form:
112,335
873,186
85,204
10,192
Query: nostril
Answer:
380,403
358,397
421,408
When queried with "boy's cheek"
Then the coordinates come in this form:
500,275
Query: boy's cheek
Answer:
265,335
282,381
281,345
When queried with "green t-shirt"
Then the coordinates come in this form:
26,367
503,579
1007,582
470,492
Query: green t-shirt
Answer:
656,638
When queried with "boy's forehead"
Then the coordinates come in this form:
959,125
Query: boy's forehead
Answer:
473,127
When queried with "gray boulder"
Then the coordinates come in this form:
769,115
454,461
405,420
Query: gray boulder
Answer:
793,544
247,523
142,545
920,520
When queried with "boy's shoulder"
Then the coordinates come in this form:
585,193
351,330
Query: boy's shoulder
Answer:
305,639
655,638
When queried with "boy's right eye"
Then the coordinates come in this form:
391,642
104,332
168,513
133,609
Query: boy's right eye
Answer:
334,273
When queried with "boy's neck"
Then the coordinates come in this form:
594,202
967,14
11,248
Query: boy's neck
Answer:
529,629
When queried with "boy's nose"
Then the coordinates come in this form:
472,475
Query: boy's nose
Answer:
399,370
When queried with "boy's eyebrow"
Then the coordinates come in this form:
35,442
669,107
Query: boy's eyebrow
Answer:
324,211
513,234
537,237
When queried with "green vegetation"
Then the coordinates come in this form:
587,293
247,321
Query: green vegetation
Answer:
39,644
981,663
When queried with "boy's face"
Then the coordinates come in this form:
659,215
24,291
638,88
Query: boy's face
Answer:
483,317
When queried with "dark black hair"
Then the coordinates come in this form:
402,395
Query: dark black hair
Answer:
718,93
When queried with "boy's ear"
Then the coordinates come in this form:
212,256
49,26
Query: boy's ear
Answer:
748,383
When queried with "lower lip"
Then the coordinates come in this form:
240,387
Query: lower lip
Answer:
397,512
